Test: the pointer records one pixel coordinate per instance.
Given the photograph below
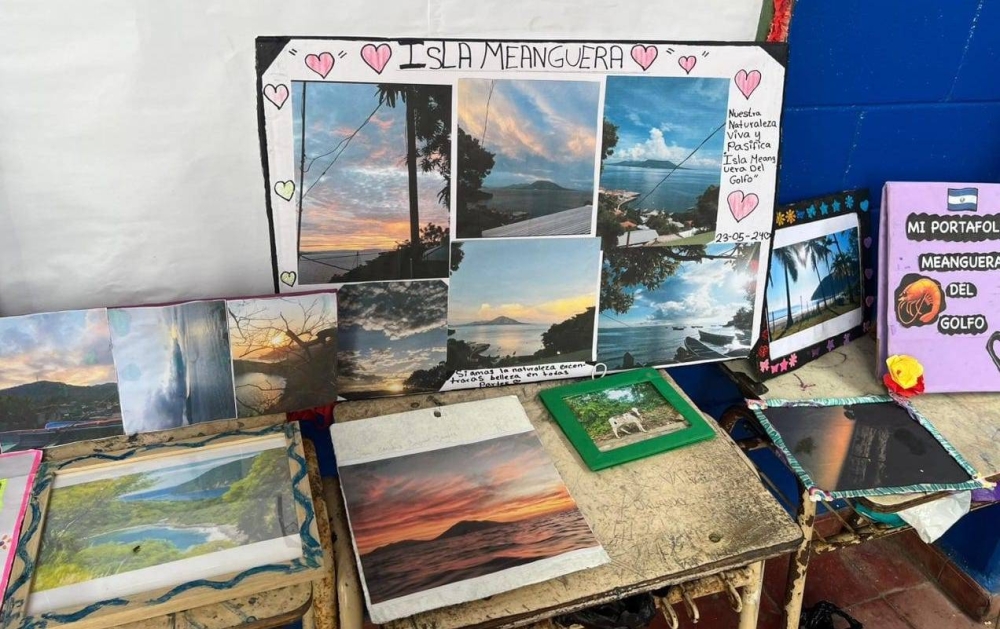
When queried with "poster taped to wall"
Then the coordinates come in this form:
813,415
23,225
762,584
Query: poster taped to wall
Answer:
652,164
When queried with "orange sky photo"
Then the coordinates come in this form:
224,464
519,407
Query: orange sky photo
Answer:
419,496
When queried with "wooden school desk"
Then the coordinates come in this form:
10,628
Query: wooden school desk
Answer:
684,523
971,422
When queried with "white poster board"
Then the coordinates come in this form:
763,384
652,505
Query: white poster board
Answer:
129,156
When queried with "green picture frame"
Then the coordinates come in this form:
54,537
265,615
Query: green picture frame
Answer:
558,401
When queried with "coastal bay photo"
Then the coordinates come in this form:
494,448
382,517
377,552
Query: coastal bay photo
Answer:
479,509
527,151
527,301
57,379
284,352
663,305
662,150
173,364
158,521
391,338
371,189
814,288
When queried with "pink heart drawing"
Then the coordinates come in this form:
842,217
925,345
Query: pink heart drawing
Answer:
687,63
868,274
645,55
742,205
277,95
868,242
321,64
376,56
747,82
869,300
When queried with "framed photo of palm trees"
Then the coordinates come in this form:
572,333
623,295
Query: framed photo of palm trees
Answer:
820,284
624,417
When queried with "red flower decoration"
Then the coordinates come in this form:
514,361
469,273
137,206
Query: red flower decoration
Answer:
891,384
762,351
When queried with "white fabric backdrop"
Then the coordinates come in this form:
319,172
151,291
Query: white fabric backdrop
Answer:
129,157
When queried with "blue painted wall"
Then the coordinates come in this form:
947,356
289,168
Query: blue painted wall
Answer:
888,90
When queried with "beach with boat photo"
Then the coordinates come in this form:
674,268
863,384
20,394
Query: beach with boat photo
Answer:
527,150
522,302
663,306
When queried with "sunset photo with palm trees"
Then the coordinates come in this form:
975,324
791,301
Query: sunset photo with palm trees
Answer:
372,180
813,282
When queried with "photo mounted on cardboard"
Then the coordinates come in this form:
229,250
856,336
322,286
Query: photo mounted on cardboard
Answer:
820,286
174,365
938,273
624,417
360,191
475,509
527,151
145,530
284,352
864,446
57,381
664,145
663,306
392,338
814,289
522,301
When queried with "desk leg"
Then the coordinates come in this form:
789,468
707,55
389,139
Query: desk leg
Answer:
799,564
751,597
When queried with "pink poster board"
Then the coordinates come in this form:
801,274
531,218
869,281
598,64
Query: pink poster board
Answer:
17,469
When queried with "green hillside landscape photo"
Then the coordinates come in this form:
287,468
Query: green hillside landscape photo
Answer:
116,525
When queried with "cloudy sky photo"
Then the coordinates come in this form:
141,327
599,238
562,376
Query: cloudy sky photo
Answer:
707,292
666,118
536,129
362,202
386,331
543,280
70,347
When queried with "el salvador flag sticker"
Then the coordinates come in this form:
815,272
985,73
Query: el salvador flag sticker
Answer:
963,199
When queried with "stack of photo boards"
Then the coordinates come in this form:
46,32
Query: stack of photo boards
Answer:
555,204
85,374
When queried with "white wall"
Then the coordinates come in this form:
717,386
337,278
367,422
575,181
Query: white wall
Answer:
129,157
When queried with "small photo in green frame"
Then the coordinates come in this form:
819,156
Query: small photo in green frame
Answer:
624,417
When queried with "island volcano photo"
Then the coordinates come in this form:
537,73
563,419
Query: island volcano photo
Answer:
527,151
665,305
356,163
662,160
522,302
457,520
57,381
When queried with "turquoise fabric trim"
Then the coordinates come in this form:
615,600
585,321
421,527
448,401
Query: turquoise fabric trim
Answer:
819,494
